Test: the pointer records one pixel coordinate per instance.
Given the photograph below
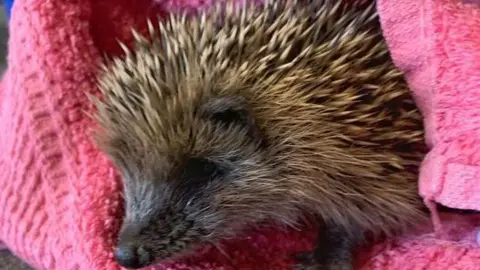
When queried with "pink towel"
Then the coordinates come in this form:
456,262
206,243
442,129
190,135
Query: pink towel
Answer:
437,44
60,199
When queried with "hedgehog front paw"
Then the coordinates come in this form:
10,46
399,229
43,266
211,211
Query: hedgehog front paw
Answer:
307,261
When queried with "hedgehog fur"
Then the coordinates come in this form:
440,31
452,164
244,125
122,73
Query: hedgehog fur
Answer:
247,113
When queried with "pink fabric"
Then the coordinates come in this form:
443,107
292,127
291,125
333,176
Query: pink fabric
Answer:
60,199
437,43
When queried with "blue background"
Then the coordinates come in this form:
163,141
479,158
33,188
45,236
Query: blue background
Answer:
7,4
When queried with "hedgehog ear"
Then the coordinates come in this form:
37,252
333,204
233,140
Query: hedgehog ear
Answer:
231,110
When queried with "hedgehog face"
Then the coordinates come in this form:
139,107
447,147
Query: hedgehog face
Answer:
206,181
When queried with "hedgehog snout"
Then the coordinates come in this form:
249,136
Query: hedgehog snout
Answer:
132,257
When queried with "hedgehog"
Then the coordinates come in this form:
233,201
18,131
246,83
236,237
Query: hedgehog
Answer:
247,114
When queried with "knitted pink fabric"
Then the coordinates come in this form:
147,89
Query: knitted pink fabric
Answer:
60,199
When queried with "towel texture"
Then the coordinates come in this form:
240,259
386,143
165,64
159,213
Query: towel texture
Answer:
437,44
60,198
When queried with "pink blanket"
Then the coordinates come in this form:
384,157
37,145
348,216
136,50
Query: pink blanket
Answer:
60,199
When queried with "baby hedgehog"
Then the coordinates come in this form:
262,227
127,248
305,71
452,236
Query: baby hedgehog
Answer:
247,114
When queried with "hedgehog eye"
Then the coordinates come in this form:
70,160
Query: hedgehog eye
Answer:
228,110
231,116
198,171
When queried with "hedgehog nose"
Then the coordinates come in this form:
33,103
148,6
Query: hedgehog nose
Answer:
132,257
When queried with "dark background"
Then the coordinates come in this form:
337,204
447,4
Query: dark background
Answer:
3,38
